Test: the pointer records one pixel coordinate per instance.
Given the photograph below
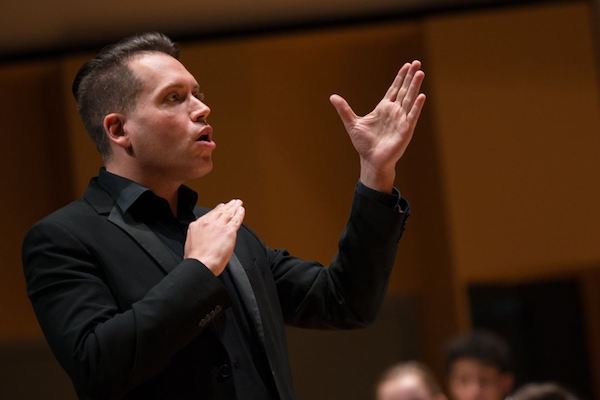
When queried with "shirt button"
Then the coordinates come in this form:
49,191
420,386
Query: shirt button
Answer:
225,371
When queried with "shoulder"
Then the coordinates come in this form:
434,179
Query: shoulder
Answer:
73,213
94,206
76,223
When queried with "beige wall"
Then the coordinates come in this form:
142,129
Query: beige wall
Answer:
517,122
516,115
34,175
501,173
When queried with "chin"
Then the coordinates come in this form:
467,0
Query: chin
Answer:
204,170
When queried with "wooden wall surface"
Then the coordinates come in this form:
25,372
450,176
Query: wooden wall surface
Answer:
501,173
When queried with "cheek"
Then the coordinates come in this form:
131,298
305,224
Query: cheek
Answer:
459,387
492,390
159,134
167,132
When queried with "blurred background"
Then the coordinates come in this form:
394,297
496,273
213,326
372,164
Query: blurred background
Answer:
502,174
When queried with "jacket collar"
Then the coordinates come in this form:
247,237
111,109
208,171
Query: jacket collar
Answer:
104,204
98,198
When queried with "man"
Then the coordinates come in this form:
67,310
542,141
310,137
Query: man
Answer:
479,367
142,295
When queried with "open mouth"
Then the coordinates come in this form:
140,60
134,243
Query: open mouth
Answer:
203,138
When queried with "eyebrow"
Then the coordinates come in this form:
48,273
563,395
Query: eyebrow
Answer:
178,85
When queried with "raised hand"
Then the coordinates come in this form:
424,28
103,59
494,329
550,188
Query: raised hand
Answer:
381,137
211,238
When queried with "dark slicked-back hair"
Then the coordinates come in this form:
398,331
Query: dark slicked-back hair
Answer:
106,84
483,346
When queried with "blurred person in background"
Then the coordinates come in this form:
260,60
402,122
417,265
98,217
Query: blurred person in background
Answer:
408,381
543,391
479,366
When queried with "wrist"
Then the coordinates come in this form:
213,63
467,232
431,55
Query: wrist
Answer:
380,179
211,264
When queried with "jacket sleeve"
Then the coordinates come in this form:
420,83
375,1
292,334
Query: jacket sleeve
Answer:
349,293
107,351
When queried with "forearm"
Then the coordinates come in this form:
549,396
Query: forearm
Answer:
348,293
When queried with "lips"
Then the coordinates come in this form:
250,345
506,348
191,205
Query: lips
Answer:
205,134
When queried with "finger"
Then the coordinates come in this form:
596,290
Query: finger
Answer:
228,210
415,111
238,217
392,92
413,90
343,109
214,213
414,67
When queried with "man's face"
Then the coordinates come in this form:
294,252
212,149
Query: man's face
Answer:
169,137
469,379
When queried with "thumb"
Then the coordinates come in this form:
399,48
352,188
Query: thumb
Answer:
343,109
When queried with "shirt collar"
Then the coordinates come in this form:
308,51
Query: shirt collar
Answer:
126,192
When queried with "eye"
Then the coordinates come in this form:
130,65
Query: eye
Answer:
174,97
198,95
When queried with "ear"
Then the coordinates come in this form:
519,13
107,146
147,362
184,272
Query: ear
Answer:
114,128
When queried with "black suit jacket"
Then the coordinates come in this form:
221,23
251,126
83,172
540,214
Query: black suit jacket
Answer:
127,319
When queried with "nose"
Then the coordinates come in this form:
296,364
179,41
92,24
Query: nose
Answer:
200,111
473,391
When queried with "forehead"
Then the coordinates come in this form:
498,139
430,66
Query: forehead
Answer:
471,366
408,387
410,381
157,70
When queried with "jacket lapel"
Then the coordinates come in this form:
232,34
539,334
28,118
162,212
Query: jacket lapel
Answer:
240,277
139,232
145,238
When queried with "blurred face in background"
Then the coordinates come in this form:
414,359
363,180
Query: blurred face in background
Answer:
408,386
470,379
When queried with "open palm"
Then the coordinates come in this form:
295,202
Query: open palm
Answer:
381,137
